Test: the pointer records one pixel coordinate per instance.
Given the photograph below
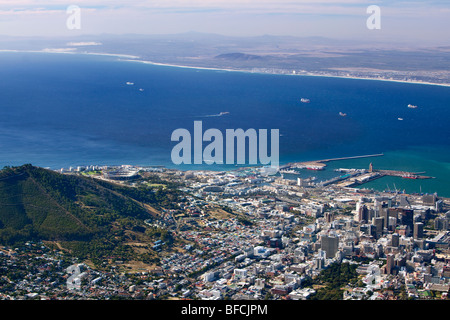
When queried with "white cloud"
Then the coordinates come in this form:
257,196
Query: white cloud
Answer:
89,43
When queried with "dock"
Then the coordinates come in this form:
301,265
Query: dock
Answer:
353,157
357,179
320,164
404,174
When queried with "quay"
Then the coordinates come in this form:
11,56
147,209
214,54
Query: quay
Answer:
320,164
359,178
353,157
404,174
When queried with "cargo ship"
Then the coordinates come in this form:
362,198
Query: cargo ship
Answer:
410,176
314,168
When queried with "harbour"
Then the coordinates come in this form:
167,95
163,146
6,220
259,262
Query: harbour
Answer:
353,177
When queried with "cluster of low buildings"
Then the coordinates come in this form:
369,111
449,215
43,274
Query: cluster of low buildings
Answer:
33,271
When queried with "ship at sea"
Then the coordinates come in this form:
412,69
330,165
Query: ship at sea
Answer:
342,114
317,168
411,106
409,176
305,100
291,171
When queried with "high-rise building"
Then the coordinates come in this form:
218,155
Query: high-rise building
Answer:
363,214
329,217
439,206
319,263
392,223
418,230
441,223
378,203
390,218
395,240
359,204
371,214
378,222
406,217
390,263
398,216
330,245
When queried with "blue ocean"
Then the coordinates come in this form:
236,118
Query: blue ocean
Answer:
62,110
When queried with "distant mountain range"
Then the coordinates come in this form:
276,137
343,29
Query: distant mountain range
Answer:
239,56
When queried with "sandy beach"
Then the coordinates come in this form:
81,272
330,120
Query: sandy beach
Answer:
309,74
133,58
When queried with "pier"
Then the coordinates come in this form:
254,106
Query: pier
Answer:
404,174
352,180
321,163
354,157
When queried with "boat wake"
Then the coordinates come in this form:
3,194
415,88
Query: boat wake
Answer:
215,115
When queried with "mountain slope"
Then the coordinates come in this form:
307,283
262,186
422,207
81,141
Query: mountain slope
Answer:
43,204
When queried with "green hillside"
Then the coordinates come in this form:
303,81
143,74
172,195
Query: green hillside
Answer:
36,203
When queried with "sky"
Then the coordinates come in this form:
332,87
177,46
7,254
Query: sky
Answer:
425,21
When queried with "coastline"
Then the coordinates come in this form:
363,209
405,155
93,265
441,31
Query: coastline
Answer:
133,58
309,74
